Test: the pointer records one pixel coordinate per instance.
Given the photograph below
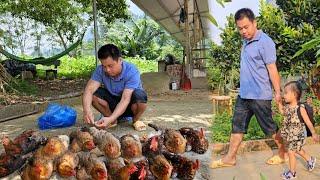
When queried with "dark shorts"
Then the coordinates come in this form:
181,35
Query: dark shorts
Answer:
246,108
138,96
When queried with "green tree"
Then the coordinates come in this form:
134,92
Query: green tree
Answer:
298,12
68,19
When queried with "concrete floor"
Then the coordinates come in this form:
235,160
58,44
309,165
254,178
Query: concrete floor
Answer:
174,111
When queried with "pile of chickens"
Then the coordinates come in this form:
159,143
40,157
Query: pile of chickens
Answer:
91,153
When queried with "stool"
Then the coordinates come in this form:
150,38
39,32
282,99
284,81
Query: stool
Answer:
221,104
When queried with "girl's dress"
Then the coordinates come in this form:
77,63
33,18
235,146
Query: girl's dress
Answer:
293,131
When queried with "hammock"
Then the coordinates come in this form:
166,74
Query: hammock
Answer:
41,60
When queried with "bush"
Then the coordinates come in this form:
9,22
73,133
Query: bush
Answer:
222,125
82,67
142,64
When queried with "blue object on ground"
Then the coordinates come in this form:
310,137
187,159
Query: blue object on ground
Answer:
57,116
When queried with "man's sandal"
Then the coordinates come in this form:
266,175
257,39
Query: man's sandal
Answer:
220,164
139,126
275,160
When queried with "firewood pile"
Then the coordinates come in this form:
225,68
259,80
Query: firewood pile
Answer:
91,153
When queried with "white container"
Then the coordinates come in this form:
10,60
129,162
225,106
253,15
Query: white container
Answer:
174,86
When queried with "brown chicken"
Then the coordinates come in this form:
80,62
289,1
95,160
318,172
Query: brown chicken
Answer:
81,141
38,169
143,172
131,147
106,142
185,168
67,164
113,165
153,146
160,167
26,142
54,148
173,140
125,172
10,163
94,167
196,139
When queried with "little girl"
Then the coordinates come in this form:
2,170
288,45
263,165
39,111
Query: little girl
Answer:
293,131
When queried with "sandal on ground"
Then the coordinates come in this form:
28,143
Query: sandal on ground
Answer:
275,160
139,126
220,164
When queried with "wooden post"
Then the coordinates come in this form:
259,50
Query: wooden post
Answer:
187,43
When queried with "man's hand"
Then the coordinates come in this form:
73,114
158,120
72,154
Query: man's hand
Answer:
88,117
104,122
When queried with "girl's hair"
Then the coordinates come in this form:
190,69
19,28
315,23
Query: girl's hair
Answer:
295,87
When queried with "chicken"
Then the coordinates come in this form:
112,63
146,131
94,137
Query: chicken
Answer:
24,143
196,139
153,146
94,167
81,141
143,172
10,163
173,140
38,169
54,148
67,164
185,168
125,172
130,147
113,165
106,142
160,167
82,174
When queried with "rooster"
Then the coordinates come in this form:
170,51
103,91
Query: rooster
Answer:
143,172
173,140
125,172
153,146
38,169
160,167
81,141
10,163
131,147
94,167
67,164
185,168
113,165
196,139
106,142
26,142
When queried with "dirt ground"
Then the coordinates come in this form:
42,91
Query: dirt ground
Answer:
174,109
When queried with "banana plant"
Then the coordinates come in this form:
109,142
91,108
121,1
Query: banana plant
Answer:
312,44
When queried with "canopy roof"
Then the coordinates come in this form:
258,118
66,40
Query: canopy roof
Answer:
167,14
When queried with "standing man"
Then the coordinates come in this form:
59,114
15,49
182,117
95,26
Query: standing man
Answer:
258,73
121,95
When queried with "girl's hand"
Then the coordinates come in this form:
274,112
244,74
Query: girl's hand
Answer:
315,137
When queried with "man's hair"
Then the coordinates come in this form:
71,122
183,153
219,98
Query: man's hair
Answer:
296,88
244,12
109,50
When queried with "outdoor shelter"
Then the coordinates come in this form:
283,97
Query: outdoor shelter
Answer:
188,22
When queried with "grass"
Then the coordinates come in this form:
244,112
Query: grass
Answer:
221,127
23,87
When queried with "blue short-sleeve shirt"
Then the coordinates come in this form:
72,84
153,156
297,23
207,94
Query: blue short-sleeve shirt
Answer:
128,79
256,54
